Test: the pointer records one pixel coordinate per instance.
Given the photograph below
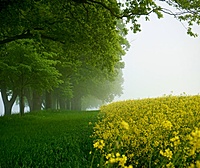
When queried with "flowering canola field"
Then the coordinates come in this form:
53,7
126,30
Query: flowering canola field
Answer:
153,132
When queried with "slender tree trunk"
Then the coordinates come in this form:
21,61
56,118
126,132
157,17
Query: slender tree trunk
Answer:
55,102
62,103
48,102
37,102
68,104
21,94
8,103
21,102
76,103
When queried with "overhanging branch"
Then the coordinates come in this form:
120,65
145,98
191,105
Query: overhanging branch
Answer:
119,16
130,14
28,35
17,37
106,7
176,14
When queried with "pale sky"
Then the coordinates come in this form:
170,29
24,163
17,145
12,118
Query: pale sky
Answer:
162,58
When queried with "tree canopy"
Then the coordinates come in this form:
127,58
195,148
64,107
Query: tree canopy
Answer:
53,49
22,19
23,64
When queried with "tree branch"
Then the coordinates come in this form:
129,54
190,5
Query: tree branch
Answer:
164,10
116,15
169,12
17,37
106,7
43,36
28,35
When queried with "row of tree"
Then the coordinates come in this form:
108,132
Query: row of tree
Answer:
52,79
66,54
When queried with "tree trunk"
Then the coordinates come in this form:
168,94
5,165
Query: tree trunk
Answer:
7,108
68,104
62,103
37,102
8,103
29,95
76,103
21,102
48,100
54,103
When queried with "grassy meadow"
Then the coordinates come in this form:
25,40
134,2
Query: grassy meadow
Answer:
46,139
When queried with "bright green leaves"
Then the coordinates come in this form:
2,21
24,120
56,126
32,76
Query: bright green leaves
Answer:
22,61
69,37
70,21
133,10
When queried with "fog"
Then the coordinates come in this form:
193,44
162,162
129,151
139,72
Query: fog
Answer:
15,108
162,59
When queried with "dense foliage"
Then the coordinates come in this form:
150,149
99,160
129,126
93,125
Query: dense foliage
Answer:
153,132
29,18
69,41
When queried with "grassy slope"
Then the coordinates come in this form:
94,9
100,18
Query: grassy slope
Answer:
46,139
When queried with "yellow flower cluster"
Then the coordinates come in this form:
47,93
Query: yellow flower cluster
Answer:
99,144
116,159
153,132
195,165
195,141
125,125
167,125
167,153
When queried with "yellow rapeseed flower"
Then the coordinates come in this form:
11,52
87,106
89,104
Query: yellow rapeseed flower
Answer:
167,153
99,144
117,154
170,165
198,164
108,156
125,125
167,125
122,161
175,140
130,166
112,160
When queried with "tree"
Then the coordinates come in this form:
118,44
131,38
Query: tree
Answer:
91,82
85,33
30,18
24,65
103,90
8,97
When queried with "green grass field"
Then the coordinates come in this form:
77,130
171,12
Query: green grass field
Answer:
46,139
